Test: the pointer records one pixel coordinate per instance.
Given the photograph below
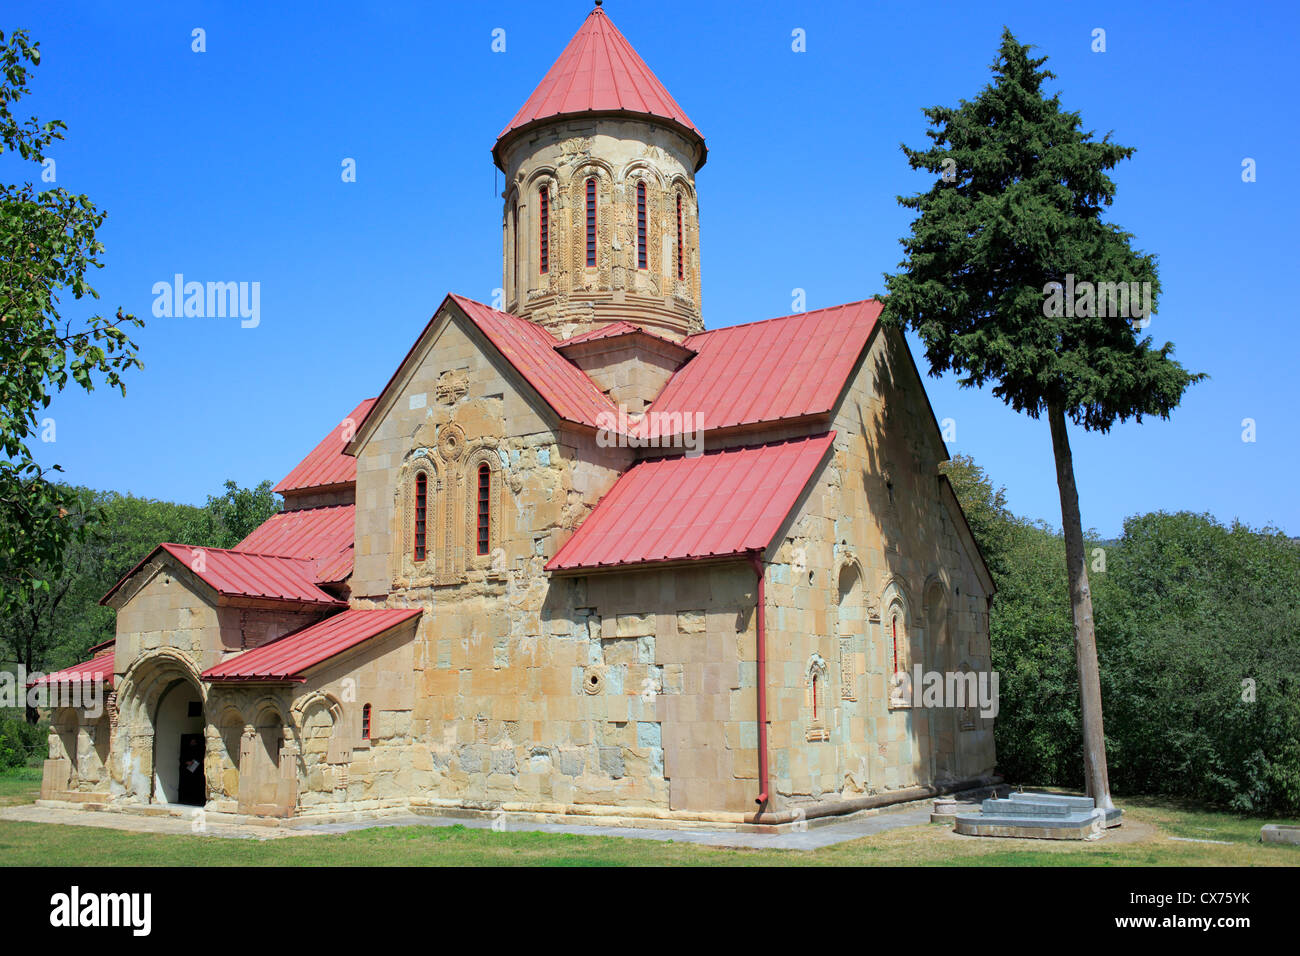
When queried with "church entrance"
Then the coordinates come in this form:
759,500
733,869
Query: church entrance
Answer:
179,746
190,790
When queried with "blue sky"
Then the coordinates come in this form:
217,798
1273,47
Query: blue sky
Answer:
225,165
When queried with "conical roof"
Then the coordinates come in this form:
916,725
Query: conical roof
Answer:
599,74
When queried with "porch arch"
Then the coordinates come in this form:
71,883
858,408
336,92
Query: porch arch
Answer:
161,709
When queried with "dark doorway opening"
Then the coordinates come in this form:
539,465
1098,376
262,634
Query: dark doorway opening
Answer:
190,788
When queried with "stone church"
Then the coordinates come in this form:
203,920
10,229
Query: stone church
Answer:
581,557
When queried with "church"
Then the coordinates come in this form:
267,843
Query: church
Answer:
581,558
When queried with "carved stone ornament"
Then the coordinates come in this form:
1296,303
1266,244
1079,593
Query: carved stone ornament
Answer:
451,442
453,385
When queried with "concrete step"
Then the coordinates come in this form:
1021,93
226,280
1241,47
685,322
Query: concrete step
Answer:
1024,808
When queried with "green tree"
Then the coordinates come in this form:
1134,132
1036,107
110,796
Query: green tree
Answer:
1016,214
54,626
1037,730
47,246
1201,631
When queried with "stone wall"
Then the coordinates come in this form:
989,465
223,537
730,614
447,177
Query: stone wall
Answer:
876,544
627,690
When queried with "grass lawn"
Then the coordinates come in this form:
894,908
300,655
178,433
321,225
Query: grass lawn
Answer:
1144,841
19,785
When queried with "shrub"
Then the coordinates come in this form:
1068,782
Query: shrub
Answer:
20,741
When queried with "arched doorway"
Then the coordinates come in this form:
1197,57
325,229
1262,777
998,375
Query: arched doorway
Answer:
178,775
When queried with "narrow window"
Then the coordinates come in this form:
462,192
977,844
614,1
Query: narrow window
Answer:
681,269
365,722
484,507
421,513
544,234
514,240
591,222
640,225
894,627
814,692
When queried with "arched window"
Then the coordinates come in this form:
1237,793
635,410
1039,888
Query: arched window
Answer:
591,222
640,226
421,514
365,722
900,659
484,507
815,691
544,230
681,268
893,630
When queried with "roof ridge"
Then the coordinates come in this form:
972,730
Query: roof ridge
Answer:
299,511
250,554
606,331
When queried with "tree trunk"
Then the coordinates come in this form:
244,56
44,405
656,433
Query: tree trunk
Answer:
32,715
1085,634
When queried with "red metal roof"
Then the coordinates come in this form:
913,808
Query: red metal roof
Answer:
325,534
98,668
599,72
327,465
721,503
243,574
287,658
780,368
531,350
334,568
614,329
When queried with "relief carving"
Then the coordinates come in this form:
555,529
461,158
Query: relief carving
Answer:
452,386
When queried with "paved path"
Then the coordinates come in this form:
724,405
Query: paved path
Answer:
138,823
813,838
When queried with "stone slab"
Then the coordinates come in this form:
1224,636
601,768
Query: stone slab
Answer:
1280,833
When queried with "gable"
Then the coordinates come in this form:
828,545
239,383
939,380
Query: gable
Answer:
225,575
462,336
887,372
886,421
457,403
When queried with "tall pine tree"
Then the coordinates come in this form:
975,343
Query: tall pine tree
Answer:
996,283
